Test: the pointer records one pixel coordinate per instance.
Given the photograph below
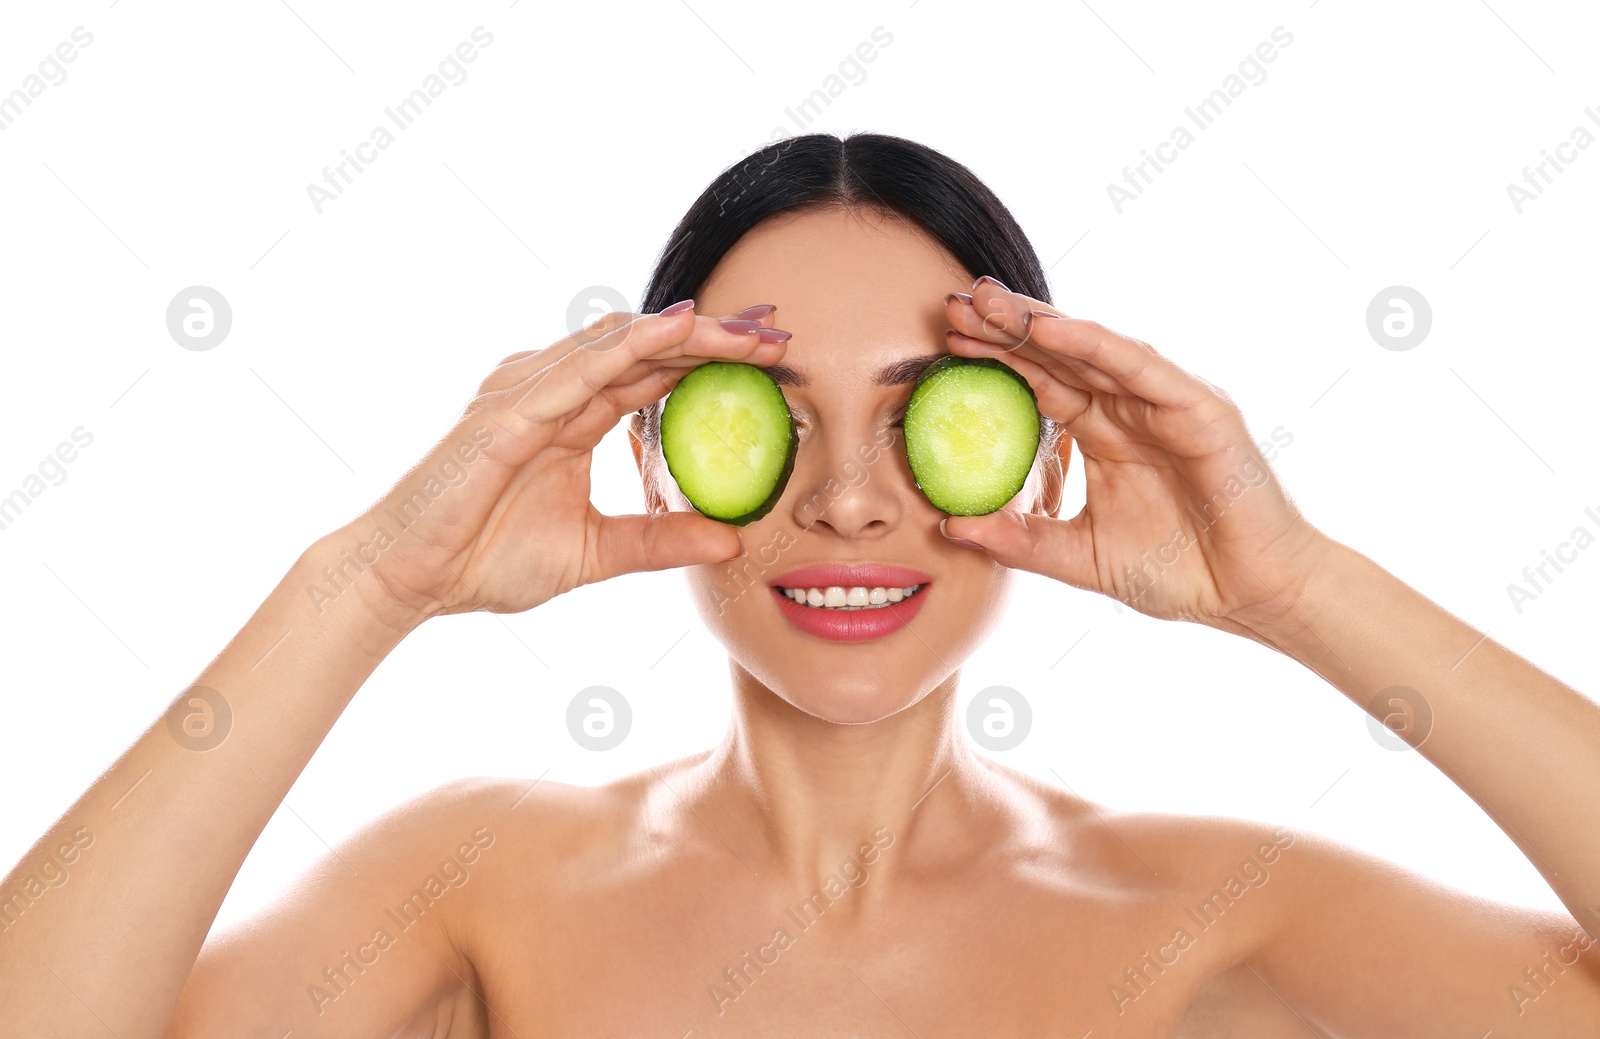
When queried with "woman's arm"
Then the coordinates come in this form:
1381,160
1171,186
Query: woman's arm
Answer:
102,920
1184,520
1523,745
149,850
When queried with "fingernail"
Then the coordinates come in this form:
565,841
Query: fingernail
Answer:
740,325
756,313
997,283
962,296
1027,319
678,308
963,542
773,335
739,553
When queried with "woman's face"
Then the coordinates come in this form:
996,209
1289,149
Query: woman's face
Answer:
863,294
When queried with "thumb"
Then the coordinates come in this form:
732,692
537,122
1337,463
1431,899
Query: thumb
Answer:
631,544
1061,549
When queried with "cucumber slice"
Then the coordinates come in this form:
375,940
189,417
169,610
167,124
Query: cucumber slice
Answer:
971,431
729,440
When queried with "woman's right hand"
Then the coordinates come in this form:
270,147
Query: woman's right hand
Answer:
497,515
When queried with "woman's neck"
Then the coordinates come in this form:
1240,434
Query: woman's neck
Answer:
803,795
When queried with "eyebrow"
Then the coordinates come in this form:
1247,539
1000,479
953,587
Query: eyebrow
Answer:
897,373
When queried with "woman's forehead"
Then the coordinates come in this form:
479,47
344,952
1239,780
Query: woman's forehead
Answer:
860,296
832,263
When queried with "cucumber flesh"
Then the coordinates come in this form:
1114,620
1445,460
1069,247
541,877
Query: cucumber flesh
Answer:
729,440
971,433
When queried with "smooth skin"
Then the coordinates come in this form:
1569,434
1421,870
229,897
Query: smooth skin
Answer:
991,903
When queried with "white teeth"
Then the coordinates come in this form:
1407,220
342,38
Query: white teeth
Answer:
859,597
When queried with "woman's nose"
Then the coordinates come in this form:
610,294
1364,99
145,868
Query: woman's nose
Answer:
848,486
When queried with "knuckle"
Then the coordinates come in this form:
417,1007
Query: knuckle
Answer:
519,355
1222,396
504,419
480,409
499,377
615,329
610,321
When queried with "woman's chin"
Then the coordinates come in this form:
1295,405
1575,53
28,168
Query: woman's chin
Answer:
849,705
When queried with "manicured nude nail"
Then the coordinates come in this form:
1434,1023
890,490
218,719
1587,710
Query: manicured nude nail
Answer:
740,325
773,335
756,313
678,308
1027,319
992,281
963,542
962,296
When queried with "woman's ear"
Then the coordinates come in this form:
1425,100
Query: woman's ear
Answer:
652,493
1054,476
636,440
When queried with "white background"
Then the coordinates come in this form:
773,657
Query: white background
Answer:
1376,152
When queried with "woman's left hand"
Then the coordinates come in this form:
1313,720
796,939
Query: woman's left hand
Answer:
1183,519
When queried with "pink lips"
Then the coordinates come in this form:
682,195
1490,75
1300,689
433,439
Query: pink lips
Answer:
851,625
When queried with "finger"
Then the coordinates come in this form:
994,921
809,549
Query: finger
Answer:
643,383
598,334
996,311
520,366
565,384
606,409
1102,432
1059,399
722,337
510,371
681,365
762,314
1135,365
633,544
1077,375
1062,549
999,325
604,333
991,311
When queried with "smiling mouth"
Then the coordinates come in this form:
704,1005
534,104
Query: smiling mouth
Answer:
836,597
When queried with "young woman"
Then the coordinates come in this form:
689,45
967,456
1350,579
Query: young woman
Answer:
843,863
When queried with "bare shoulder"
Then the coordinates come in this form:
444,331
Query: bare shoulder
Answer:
1187,901
559,822
1164,850
397,890
1281,925
556,838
